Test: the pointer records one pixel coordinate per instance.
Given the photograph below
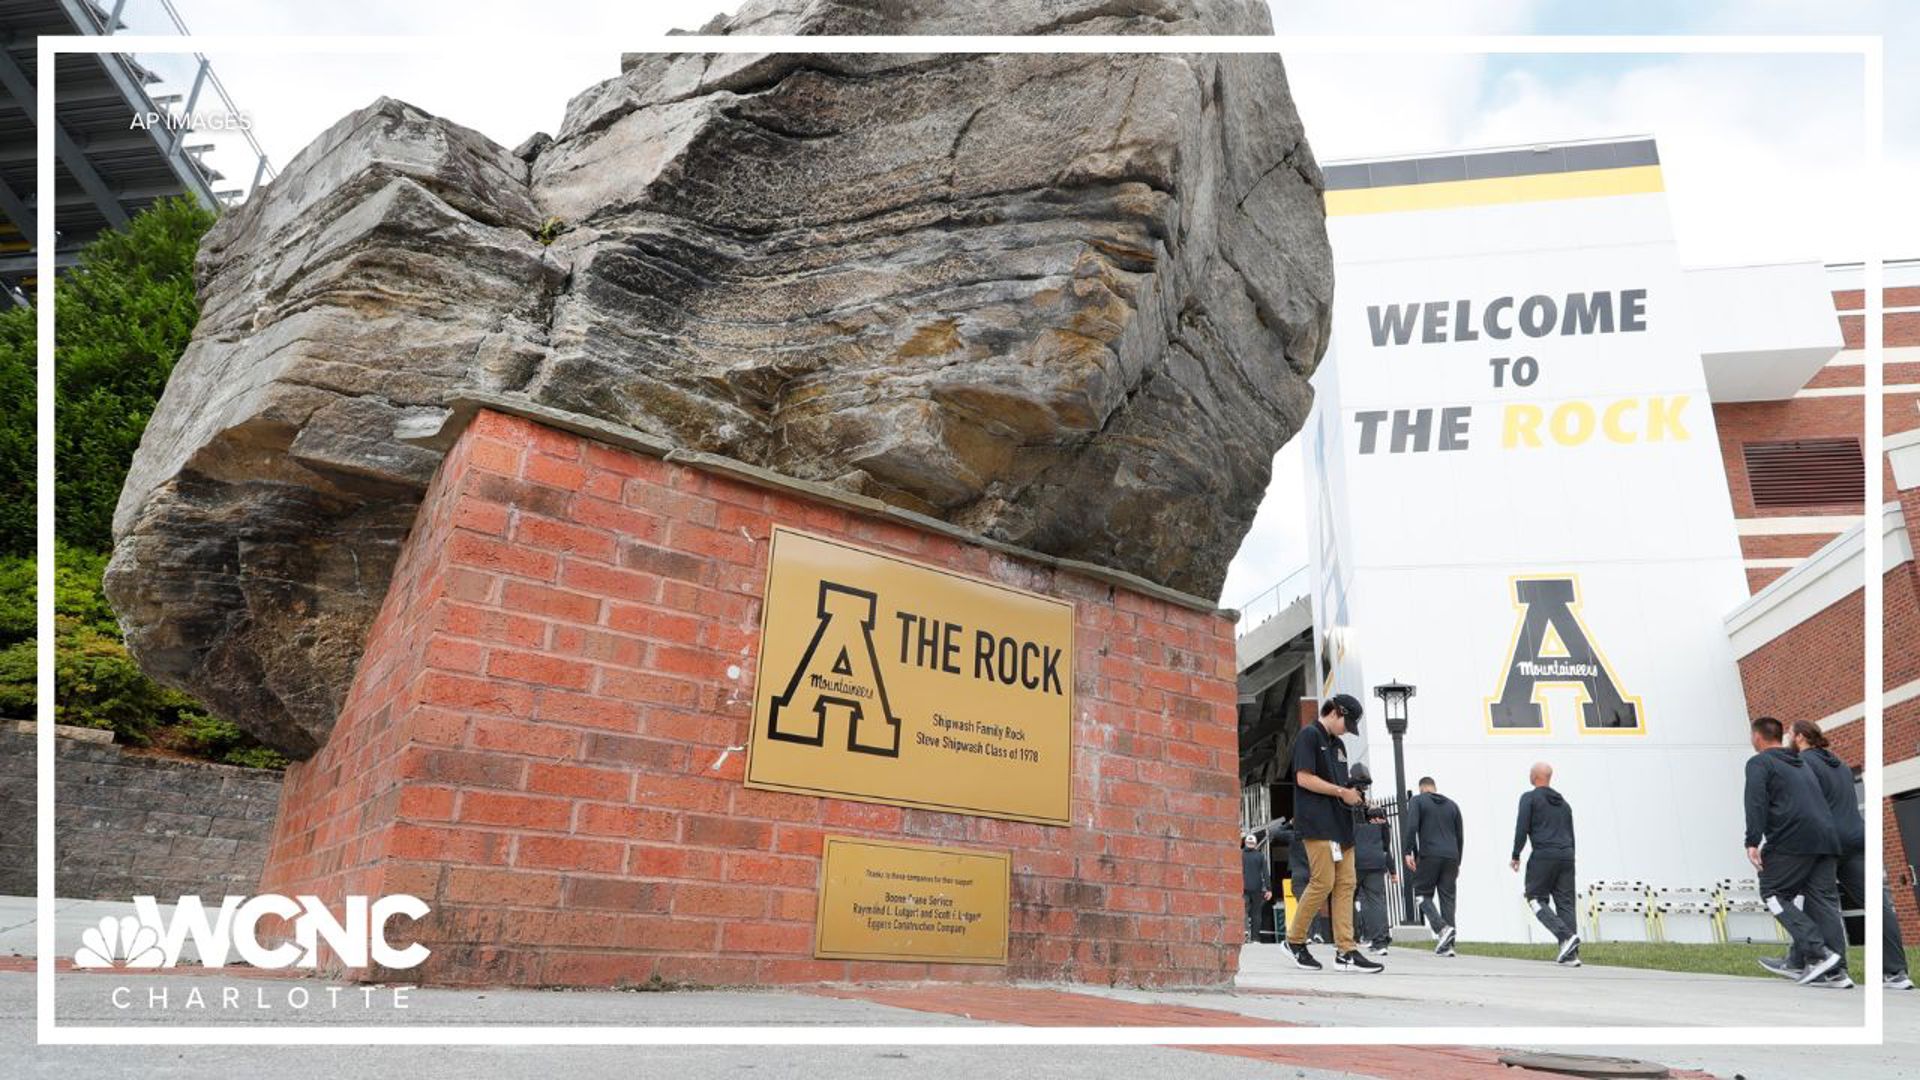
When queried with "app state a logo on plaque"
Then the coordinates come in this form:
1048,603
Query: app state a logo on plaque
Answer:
1552,647
838,680
887,680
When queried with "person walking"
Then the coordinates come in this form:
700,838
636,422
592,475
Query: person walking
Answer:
1321,797
1256,882
1281,831
1836,784
1435,841
1373,866
1794,847
1546,821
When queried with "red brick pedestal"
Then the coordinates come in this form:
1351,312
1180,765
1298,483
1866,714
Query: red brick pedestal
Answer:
544,742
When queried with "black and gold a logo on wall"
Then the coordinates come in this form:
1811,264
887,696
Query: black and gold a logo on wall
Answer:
838,677
1552,647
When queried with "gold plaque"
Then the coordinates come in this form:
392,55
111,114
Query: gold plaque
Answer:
881,900
889,681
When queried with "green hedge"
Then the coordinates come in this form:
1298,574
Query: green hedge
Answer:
96,682
125,314
16,431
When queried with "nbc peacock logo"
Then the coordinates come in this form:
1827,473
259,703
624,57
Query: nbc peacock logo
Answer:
123,942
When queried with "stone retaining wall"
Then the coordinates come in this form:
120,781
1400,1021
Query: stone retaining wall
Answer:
130,824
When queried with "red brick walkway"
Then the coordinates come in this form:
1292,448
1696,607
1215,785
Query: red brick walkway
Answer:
1057,1008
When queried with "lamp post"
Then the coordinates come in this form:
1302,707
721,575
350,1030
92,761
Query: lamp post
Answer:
1393,697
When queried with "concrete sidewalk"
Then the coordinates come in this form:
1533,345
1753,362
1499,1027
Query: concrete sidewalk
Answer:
1419,988
20,924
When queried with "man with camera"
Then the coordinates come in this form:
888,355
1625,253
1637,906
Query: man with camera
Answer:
1322,796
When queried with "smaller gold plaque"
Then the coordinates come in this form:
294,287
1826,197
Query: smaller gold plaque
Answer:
880,900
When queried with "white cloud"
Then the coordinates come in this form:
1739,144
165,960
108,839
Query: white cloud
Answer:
1759,153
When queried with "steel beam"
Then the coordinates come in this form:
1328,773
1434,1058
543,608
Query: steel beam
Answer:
27,264
18,212
64,147
135,95
75,159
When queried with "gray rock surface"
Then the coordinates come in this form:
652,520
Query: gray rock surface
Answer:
1068,301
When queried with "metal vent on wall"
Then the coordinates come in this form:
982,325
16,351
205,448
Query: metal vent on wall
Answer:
1806,472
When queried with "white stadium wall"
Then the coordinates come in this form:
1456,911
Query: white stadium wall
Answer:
1544,547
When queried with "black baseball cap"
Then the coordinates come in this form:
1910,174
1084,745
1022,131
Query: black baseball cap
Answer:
1348,705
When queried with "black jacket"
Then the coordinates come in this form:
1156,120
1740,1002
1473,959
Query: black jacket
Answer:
1547,820
1786,806
1433,826
1255,873
1836,783
1370,852
1297,868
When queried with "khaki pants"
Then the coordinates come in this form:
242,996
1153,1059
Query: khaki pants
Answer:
1328,878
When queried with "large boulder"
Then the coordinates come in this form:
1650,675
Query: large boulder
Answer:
1068,301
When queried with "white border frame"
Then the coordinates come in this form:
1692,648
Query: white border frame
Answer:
1869,48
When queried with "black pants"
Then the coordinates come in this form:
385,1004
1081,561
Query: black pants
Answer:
1435,875
1852,878
1818,929
1895,961
1256,914
1372,894
1550,892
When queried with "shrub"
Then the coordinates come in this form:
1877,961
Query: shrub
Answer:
208,736
18,662
16,598
17,384
125,315
126,312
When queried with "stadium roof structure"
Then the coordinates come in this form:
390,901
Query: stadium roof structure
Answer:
109,167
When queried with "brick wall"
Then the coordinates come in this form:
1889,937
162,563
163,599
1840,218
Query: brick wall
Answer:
128,824
543,741
1814,670
1839,416
1817,669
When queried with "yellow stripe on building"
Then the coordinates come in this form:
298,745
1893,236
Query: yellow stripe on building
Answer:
1493,190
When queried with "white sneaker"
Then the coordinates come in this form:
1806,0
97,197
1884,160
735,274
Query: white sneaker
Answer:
1568,948
1445,944
1899,982
1833,980
1820,967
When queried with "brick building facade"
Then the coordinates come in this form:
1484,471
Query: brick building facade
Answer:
1800,638
544,741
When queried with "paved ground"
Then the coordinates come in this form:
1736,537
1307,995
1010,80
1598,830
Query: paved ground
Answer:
1419,989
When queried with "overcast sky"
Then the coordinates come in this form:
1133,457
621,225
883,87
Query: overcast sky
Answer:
1761,154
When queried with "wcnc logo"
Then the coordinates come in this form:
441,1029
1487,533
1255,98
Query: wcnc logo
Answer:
146,939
